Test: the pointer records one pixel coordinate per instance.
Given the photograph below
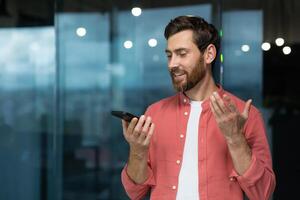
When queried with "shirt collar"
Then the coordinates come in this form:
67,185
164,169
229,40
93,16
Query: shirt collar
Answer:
184,99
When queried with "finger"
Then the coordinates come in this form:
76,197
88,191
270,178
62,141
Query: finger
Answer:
131,126
212,109
150,133
245,113
230,103
146,128
138,128
215,107
220,103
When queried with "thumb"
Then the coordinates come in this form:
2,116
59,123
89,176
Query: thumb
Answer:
245,113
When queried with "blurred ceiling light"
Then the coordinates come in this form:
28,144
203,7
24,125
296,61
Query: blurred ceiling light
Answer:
136,11
287,50
266,46
128,44
245,48
152,42
81,32
279,41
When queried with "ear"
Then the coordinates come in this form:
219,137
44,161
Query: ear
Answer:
210,54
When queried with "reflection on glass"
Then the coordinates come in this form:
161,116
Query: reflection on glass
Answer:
27,68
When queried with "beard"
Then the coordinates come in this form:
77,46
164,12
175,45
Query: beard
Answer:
187,81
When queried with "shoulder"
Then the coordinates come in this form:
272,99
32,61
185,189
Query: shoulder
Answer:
162,104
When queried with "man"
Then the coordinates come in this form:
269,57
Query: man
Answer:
202,143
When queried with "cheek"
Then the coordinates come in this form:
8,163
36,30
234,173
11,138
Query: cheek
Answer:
188,66
191,67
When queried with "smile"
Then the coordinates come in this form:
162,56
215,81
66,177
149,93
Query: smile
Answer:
179,77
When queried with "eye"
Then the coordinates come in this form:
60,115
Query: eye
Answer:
182,54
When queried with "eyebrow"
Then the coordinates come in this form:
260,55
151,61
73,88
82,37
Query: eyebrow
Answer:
177,50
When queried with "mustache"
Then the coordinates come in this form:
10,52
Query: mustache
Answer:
176,71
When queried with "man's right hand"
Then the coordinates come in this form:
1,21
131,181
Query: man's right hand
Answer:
138,134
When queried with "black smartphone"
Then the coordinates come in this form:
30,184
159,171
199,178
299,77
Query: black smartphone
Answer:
123,115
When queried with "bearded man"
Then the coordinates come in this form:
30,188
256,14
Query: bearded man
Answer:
203,143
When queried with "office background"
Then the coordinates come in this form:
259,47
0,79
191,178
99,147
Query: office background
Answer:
65,64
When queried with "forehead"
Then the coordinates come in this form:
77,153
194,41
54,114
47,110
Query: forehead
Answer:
182,39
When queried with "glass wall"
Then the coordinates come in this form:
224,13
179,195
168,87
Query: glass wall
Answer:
27,110
64,68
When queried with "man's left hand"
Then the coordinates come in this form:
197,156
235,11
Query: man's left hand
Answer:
229,119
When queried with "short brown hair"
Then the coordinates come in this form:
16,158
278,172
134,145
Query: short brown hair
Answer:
203,32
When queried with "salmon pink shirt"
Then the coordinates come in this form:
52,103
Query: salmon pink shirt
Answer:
218,179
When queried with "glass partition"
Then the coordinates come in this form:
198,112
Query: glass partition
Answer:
27,110
66,64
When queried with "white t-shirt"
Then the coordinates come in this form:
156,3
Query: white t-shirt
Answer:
188,175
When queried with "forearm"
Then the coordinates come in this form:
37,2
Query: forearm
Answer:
252,160
137,168
240,153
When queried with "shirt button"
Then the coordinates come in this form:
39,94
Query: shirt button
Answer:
184,100
174,187
232,179
185,113
178,161
181,136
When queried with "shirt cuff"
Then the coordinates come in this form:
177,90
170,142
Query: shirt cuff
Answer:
252,174
129,183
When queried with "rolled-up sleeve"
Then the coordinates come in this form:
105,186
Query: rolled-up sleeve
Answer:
258,182
133,190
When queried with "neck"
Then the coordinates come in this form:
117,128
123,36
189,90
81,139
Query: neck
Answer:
203,89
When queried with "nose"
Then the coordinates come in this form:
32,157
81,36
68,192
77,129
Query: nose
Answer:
173,62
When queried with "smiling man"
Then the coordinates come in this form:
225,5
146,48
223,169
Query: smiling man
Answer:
202,143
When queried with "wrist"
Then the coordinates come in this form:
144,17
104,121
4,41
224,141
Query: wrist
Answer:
236,140
138,154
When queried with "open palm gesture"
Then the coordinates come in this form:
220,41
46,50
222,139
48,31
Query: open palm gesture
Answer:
229,119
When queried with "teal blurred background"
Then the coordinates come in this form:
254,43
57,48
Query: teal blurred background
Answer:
65,64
